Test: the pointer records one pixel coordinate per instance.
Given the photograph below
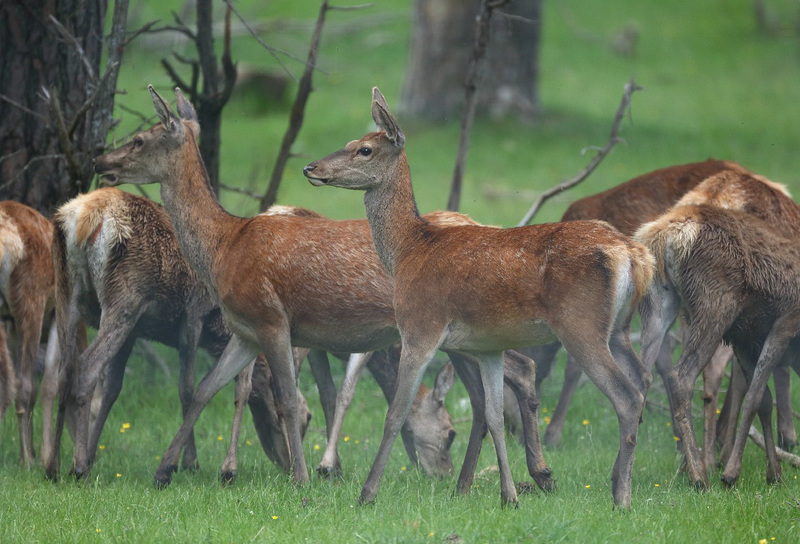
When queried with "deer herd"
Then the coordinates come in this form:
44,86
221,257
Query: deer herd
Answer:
709,242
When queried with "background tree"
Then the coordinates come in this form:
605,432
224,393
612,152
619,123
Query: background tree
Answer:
442,41
55,102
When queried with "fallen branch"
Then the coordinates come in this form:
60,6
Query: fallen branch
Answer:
783,455
630,88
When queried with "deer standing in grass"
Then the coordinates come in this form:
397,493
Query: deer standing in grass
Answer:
481,290
26,298
278,279
734,282
627,206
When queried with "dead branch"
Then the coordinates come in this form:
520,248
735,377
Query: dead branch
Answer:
297,114
613,140
22,107
482,32
67,35
252,194
67,146
783,455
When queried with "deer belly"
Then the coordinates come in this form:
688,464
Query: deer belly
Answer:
494,337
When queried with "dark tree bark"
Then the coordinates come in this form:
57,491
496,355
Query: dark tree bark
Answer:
441,45
55,100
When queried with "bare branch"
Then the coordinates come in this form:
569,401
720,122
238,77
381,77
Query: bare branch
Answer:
783,455
298,112
30,163
241,191
351,8
176,78
625,105
482,32
22,107
143,30
273,51
67,35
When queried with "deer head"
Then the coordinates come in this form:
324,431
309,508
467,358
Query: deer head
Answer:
364,161
145,159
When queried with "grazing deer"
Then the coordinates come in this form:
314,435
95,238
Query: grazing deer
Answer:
480,290
279,280
627,206
26,299
119,269
732,286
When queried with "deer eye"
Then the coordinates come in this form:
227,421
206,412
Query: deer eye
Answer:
364,151
138,141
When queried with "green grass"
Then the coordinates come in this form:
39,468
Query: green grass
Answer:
714,86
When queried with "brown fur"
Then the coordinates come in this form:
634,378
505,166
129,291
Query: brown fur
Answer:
27,300
478,290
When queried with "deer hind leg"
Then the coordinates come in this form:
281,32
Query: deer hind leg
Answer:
467,370
244,385
712,381
729,413
555,429
113,386
29,330
113,332
416,354
596,359
8,384
50,387
787,435
330,465
519,372
236,356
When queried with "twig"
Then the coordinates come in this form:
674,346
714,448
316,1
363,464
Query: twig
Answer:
297,114
144,29
67,35
482,32
613,140
783,455
22,107
241,191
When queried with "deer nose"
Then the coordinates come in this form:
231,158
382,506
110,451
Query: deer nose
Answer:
308,169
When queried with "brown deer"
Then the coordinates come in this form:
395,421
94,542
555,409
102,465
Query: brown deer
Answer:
26,299
721,256
480,290
627,206
119,269
279,280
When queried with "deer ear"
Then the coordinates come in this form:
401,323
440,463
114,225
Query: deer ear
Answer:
164,111
444,381
186,111
384,119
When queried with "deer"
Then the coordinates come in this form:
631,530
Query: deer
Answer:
481,290
279,280
627,206
712,266
118,269
26,300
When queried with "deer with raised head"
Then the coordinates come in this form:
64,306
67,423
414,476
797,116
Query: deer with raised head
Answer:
627,206
26,300
119,269
726,259
279,280
481,290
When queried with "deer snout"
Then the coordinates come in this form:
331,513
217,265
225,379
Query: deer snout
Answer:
308,172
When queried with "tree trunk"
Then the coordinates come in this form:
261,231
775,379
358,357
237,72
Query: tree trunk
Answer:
442,41
55,103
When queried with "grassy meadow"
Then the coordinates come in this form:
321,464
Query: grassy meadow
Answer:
715,85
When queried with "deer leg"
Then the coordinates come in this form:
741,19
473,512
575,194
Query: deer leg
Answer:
115,327
321,369
188,340
469,374
236,356
113,386
519,373
771,353
787,435
50,387
729,415
8,384
29,330
712,380
330,465
492,378
415,357
555,429
244,385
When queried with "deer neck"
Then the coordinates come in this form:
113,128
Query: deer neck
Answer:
392,214
201,224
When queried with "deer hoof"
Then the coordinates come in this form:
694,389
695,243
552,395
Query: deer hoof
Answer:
164,477
328,472
228,477
545,480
